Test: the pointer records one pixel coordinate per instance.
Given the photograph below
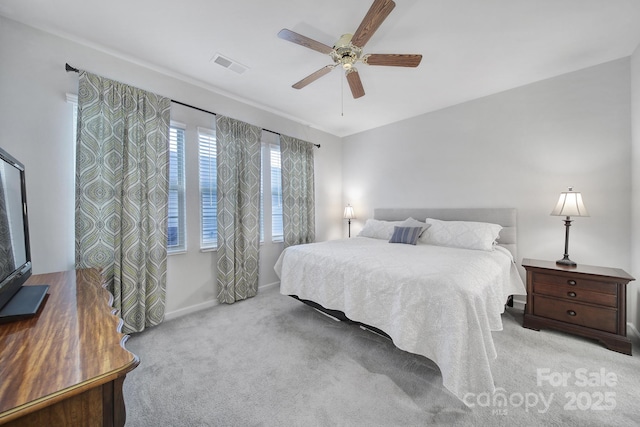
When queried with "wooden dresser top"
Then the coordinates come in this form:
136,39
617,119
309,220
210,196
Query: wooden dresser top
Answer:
72,344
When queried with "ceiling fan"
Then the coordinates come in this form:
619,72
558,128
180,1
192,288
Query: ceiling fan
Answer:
348,49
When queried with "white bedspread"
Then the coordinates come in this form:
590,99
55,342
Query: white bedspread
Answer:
435,301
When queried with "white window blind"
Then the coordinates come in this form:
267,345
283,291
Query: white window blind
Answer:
208,188
262,204
277,231
176,222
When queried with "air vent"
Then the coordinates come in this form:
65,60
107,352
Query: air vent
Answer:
229,63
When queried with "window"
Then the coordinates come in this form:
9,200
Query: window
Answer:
208,188
272,191
176,221
277,233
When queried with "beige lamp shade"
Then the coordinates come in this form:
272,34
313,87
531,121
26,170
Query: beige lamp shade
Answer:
348,212
570,204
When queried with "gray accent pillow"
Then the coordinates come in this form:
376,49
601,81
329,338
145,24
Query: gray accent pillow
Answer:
407,235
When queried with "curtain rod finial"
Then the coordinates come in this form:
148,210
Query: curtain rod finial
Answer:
68,68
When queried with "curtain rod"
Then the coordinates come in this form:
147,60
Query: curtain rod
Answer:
69,68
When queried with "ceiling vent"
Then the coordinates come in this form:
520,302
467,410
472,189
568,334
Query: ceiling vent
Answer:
229,63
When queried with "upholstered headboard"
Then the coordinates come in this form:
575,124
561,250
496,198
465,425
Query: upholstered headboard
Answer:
506,217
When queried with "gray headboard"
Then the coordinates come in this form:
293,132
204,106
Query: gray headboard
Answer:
506,217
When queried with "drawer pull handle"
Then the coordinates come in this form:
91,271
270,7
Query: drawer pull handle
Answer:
572,282
571,294
571,312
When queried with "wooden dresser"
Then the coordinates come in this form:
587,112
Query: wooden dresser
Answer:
65,366
584,300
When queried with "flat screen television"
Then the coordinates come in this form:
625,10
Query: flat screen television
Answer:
16,301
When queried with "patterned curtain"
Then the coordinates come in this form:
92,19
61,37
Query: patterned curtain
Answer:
298,196
122,194
238,153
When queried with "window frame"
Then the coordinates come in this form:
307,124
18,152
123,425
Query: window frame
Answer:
276,238
180,187
210,134
270,142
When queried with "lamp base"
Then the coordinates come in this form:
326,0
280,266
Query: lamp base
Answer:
566,261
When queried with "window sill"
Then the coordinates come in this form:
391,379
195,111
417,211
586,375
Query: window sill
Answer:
177,252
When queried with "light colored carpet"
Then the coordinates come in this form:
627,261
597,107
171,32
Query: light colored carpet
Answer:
273,361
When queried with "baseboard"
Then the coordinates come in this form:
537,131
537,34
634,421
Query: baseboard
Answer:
269,286
207,304
191,309
631,327
519,303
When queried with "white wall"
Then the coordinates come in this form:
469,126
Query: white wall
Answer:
633,291
36,128
518,148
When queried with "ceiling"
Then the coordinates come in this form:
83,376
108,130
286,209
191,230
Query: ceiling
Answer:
470,48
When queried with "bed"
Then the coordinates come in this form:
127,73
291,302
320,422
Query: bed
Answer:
438,298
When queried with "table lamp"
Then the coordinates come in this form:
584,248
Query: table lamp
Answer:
349,214
569,204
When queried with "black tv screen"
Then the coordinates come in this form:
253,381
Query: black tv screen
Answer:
15,255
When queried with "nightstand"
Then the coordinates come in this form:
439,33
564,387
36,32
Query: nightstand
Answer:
584,300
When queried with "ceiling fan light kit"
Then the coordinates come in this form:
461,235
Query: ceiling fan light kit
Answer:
348,50
345,53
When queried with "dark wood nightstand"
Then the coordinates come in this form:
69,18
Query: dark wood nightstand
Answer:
584,300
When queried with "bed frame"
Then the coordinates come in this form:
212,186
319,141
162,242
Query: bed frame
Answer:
506,217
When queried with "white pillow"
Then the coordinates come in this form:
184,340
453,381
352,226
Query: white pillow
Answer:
461,234
410,222
378,229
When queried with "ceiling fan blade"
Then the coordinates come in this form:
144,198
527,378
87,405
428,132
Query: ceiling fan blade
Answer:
378,12
393,60
304,41
313,77
353,77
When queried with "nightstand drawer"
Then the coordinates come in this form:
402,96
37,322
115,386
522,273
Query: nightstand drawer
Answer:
603,319
573,293
575,282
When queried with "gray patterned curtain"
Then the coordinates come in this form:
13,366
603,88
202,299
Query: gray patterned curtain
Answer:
298,194
122,194
238,155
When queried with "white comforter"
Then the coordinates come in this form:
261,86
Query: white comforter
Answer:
435,301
